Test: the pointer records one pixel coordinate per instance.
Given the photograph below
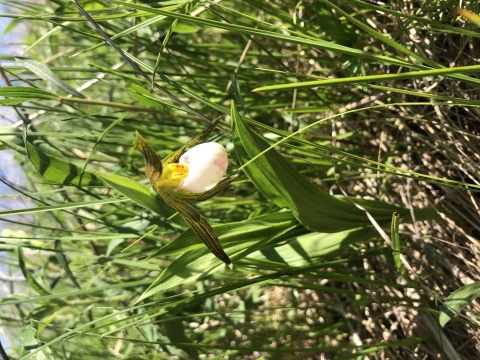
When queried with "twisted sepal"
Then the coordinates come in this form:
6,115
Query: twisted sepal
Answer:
175,156
153,164
197,222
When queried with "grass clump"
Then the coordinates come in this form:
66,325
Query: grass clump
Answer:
336,117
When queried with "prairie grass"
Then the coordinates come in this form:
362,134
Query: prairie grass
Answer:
353,127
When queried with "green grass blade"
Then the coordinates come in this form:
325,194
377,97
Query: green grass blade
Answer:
395,237
24,92
76,205
370,78
43,72
31,280
62,259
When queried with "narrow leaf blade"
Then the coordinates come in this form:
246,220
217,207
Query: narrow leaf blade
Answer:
43,72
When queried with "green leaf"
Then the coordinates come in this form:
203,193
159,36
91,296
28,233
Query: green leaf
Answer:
25,93
371,78
175,331
457,301
306,249
46,74
145,98
30,342
238,238
17,101
395,237
11,25
140,194
62,259
26,273
60,207
58,170
185,29
163,46
308,41
257,227
278,180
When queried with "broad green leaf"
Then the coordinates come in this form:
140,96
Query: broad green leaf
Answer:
16,101
238,239
186,29
306,249
275,177
457,301
259,178
112,244
140,194
259,227
58,170
11,25
43,72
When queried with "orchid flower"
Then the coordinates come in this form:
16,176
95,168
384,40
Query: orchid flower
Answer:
196,175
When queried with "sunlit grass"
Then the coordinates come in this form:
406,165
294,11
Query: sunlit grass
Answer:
360,110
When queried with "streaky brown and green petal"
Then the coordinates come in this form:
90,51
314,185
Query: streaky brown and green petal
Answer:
200,137
198,223
222,184
153,164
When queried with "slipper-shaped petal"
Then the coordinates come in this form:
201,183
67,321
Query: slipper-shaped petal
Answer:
207,164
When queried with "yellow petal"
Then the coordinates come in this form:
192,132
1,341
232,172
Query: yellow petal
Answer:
172,176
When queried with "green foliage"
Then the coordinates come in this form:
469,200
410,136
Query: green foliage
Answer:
457,301
269,81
